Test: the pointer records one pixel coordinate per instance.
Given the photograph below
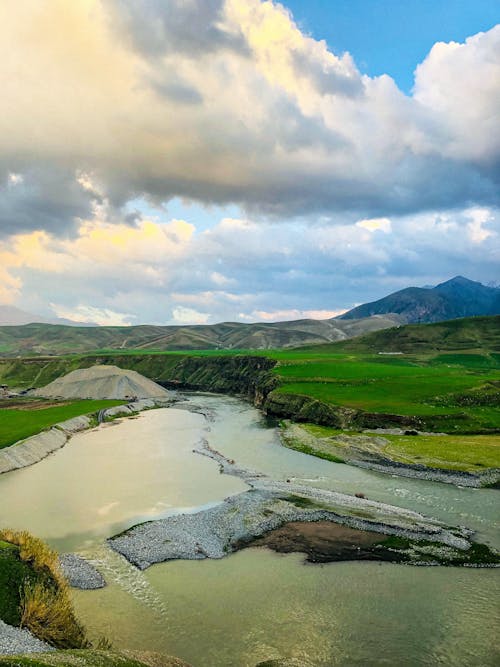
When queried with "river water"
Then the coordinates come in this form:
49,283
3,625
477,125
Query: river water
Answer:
253,605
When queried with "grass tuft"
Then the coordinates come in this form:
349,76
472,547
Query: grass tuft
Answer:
45,603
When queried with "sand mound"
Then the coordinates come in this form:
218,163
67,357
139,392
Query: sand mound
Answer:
102,382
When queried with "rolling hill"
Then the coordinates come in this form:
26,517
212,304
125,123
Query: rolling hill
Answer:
455,298
471,333
46,339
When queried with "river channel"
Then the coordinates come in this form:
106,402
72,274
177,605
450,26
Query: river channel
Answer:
253,605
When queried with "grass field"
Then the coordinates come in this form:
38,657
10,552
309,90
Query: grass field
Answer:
448,373
470,453
426,385
20,424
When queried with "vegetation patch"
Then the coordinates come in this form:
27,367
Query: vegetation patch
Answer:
91,658
38,590
423,551
465,453
298,446
19,424
13,573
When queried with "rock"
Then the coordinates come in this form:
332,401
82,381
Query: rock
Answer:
80,573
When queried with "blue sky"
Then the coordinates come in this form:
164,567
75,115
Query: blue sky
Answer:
392,36
203,161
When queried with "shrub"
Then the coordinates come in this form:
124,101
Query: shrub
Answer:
48,613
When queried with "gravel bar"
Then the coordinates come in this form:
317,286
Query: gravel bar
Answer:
16,641
217,531
80,573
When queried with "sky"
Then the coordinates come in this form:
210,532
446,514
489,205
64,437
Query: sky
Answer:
197,161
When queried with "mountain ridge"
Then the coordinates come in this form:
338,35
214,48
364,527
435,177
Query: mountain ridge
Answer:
49,339
455,298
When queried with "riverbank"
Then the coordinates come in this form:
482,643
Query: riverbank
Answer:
372,450
269,505
34,449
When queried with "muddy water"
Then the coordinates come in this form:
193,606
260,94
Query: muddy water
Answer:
256,605
253,605
239,433
108,479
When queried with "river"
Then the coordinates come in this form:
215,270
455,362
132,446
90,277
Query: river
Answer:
256,604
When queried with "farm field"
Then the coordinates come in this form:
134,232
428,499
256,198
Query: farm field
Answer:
18,424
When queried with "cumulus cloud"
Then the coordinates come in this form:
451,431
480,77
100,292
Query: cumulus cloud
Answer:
228,101
166,272
106,103
90,314
183,315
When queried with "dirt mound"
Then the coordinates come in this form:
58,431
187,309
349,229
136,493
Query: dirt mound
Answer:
102,382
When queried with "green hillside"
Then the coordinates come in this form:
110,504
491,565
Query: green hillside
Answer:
472,333
44,339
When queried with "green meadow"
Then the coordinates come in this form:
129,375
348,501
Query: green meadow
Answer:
470,453
18,424
461,385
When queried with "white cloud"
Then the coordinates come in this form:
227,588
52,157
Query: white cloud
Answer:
479,217
229,101
163,272
375,224
291,314
92,315
184,315
220,280
14,179
458,85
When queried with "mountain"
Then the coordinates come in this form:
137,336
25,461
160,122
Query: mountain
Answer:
34,339
10,315
13,316
458,297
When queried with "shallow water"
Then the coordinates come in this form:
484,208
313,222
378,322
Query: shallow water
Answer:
255,604
239,432
106,480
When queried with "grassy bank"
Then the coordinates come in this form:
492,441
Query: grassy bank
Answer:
16,424
34,594
465,387
446,375
473,454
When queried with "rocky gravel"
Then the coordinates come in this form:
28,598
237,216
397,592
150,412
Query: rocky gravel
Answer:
217,531
16,641
80,573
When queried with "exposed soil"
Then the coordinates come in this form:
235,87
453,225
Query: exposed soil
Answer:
29,404
325,542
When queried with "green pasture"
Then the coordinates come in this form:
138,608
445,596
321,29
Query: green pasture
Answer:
436,385
471,453
17,425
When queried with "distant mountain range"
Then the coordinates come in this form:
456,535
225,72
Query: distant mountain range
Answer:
458,297
56,339
455,298
13,316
